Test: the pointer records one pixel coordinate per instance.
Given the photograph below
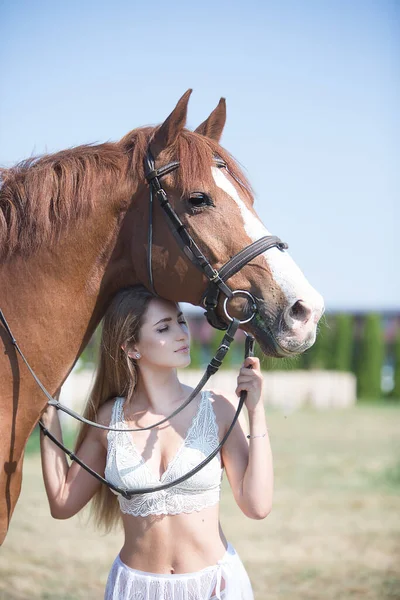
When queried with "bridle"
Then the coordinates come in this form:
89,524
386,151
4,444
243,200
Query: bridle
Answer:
216,279
216,285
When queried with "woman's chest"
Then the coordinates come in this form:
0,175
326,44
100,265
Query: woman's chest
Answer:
149,464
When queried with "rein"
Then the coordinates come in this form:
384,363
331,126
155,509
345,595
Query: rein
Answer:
212,368
216,285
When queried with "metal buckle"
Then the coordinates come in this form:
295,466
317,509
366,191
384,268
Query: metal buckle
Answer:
216,275
243,293
223,346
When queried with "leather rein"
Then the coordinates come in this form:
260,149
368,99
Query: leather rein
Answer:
216,285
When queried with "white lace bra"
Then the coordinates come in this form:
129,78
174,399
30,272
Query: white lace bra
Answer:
126,468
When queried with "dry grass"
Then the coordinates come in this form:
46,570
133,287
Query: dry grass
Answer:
334,532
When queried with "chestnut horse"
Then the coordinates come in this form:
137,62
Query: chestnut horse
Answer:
73,231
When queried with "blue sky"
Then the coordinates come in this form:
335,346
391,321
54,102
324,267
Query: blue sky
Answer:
313,96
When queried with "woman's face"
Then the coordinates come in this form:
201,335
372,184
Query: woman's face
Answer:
164,337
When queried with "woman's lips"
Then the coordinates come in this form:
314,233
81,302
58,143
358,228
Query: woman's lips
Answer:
183,349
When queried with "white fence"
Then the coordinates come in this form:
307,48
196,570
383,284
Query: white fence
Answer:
292,389
288,390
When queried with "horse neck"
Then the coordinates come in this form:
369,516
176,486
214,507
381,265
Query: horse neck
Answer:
54,299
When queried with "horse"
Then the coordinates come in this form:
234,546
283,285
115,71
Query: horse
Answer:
73,231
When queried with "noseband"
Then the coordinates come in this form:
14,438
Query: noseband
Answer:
216,285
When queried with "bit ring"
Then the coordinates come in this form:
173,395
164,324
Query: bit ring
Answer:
241,293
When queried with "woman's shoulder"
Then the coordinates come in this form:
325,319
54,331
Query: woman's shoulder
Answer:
218,396
224,404
105,411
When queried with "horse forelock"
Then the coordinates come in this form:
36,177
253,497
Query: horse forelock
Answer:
41,196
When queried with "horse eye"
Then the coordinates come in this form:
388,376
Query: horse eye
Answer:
199,200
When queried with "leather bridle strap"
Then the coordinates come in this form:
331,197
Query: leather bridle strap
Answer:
211,369
181,235
190,248
242,258
247,254
152,174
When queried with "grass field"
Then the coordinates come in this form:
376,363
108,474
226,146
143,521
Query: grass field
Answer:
334,532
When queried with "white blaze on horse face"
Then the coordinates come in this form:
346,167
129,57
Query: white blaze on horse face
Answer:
284,270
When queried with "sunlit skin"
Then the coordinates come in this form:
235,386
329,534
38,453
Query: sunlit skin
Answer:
182,543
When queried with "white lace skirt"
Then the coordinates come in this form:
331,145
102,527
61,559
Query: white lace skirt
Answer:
227,580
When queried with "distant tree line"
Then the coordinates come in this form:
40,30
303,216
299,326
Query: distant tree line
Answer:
343,344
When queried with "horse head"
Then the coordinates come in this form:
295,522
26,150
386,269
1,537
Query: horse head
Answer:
216,207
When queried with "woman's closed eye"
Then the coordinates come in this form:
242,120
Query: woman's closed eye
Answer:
166,327
162,329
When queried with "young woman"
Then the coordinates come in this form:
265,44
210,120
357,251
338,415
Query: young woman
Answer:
174,546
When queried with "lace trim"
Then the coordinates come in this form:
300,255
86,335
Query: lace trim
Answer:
199,492
139,506
226,580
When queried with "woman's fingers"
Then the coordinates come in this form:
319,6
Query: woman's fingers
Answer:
248,385
246,376
249,380
251,361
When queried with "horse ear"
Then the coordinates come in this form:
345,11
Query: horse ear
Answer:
168,132
214,125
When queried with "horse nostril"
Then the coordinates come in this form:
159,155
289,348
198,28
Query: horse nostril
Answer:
300,311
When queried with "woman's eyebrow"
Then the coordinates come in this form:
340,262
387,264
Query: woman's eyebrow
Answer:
166,319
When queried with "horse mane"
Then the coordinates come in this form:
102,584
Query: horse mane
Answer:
41,197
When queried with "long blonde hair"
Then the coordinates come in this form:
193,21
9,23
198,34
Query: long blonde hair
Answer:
116,375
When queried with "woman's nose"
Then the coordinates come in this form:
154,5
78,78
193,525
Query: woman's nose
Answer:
182,334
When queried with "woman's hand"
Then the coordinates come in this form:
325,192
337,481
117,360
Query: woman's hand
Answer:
250,380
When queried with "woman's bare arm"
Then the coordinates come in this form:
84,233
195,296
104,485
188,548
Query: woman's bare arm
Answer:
69,488
248,462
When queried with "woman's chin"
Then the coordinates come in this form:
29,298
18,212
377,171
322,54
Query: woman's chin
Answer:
184,362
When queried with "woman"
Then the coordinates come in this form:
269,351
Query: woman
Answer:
174,546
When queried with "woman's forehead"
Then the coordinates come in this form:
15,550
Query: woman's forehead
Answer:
159,308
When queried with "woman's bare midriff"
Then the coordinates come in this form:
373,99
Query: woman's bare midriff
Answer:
173,544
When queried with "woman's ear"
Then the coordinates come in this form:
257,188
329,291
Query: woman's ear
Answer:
133,353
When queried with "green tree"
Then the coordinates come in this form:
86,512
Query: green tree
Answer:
318,356
342,343
395,393
370,358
